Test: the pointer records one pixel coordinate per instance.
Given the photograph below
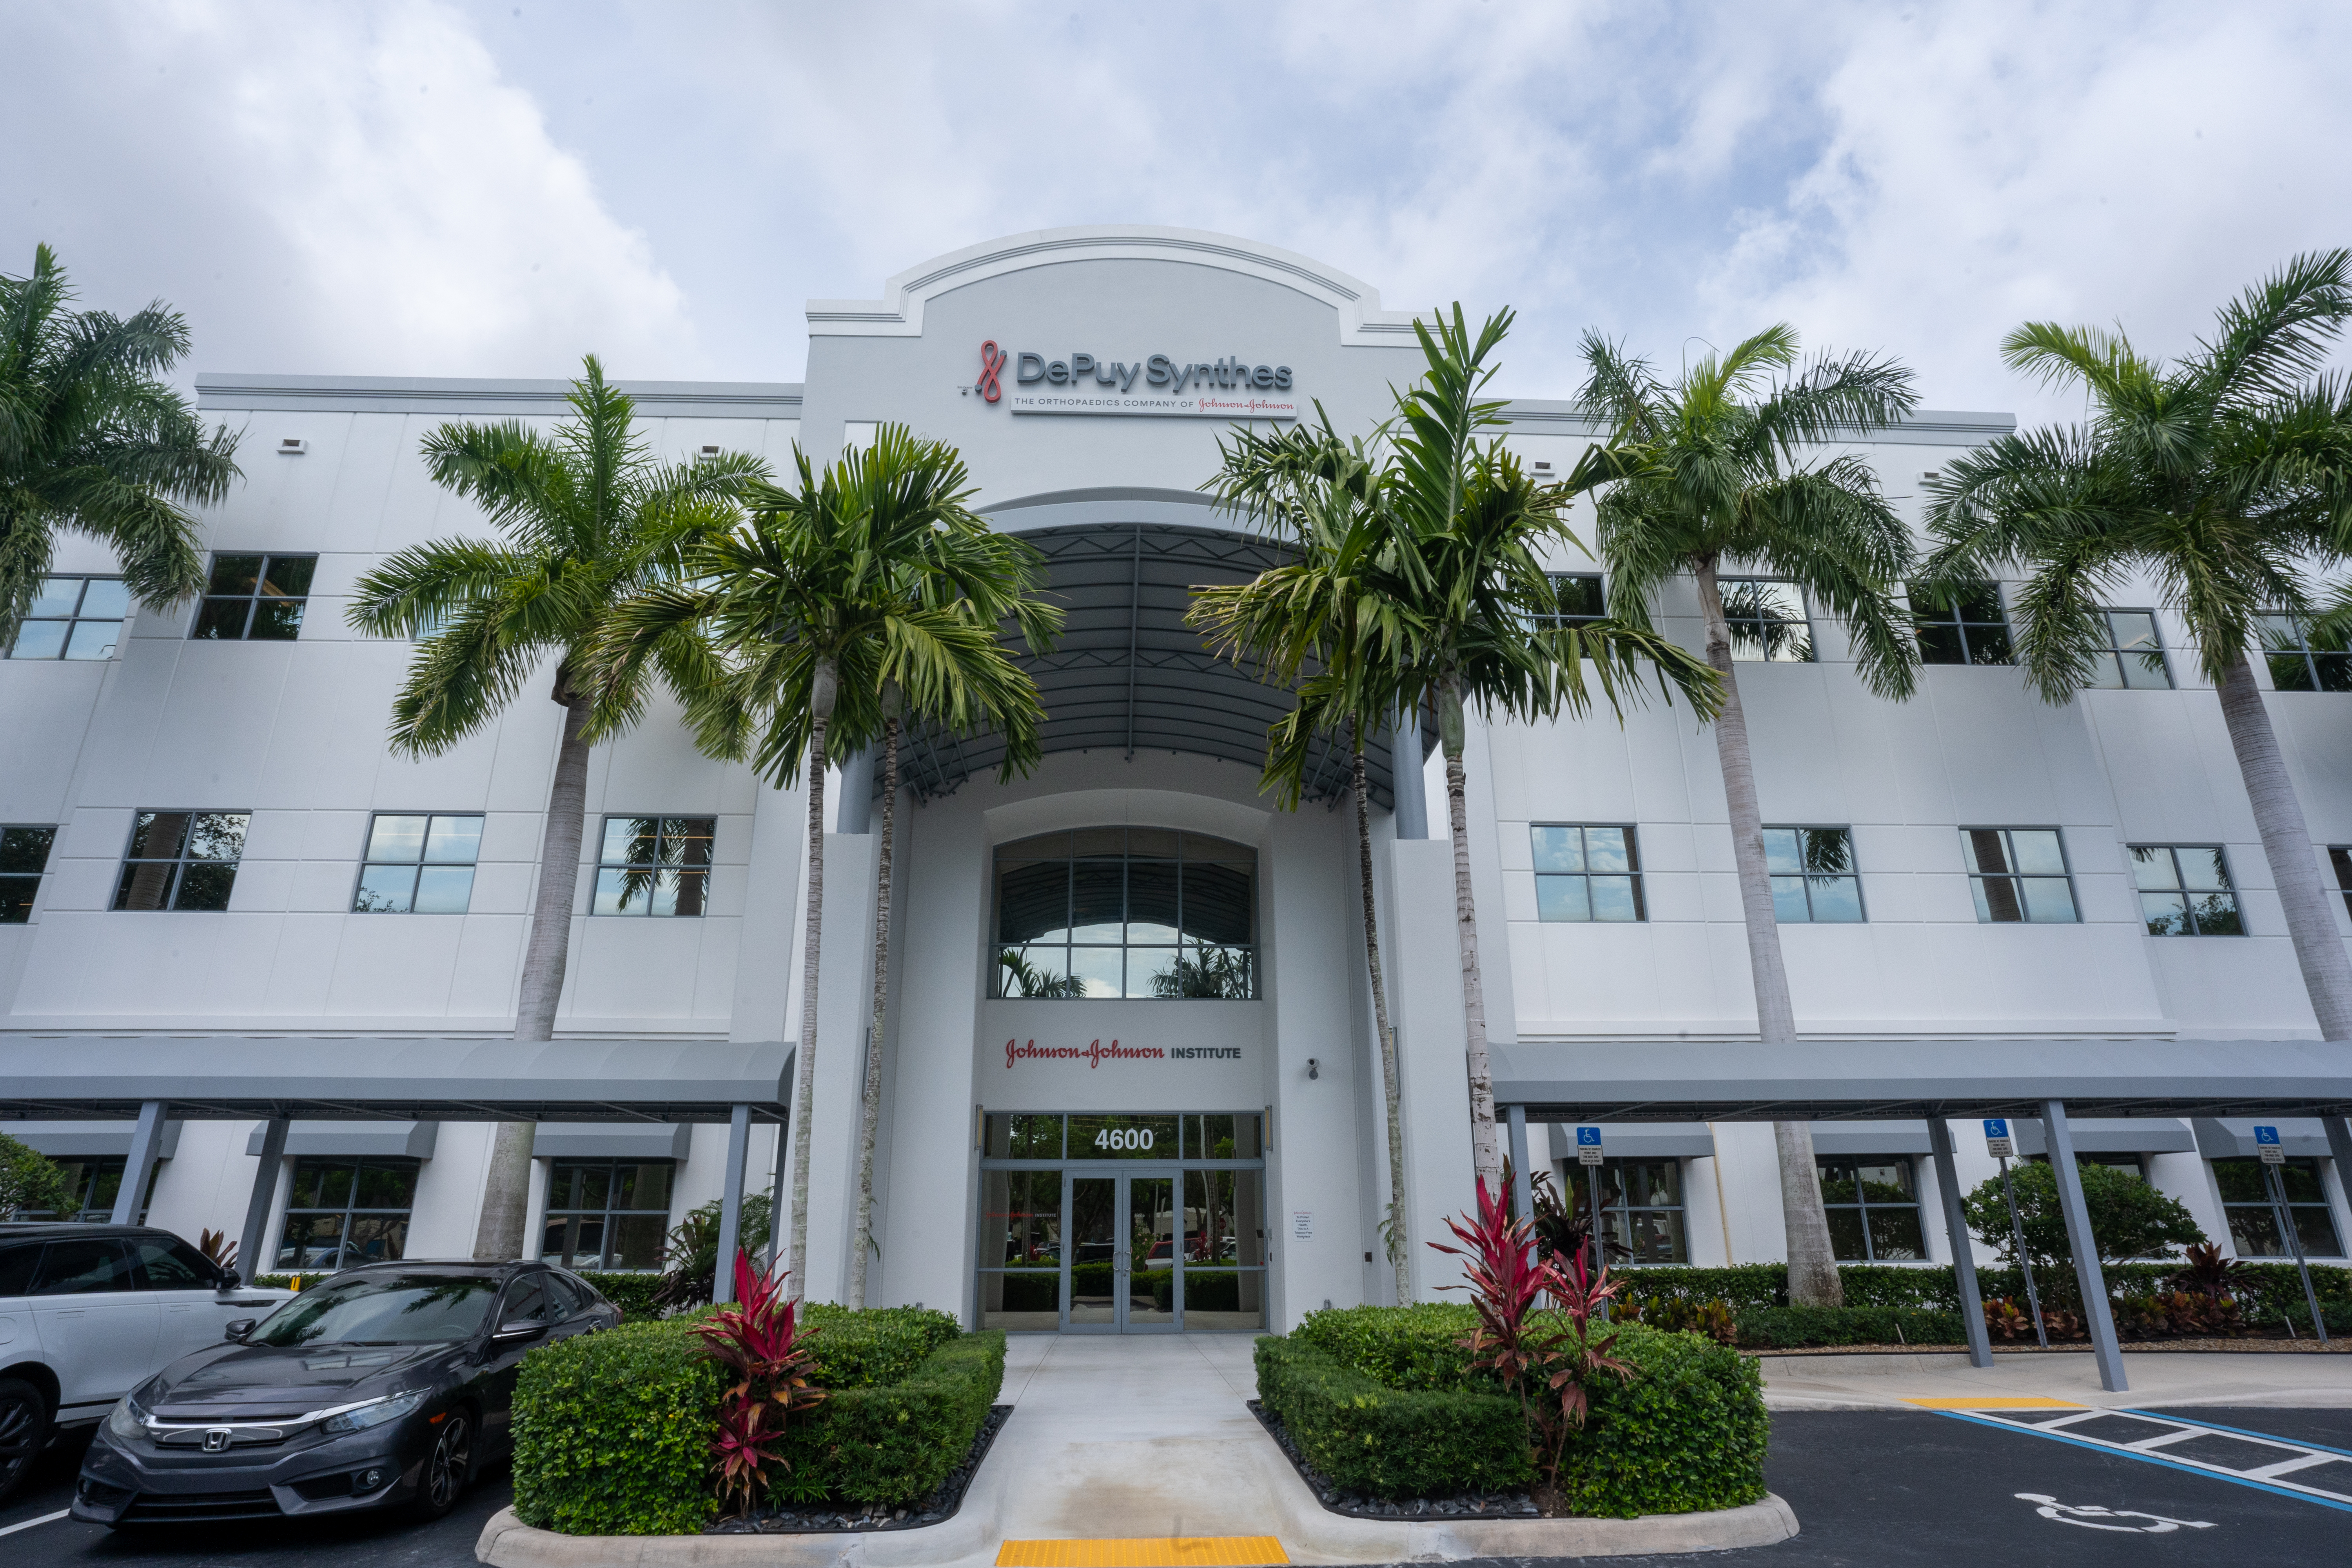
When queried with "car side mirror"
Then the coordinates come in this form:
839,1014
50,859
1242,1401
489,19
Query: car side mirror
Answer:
237,1328
521,1329
229,1280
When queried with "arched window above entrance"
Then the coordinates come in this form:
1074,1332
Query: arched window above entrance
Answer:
1142,912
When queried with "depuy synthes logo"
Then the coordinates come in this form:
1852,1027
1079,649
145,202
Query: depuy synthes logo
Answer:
1229,387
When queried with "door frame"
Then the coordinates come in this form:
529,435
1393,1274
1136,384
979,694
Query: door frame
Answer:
1122,1174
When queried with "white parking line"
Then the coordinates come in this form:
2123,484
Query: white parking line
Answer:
28,1523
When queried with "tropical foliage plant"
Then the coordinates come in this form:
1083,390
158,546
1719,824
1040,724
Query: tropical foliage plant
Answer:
29,1182
762,1347
691,1251
2129,1219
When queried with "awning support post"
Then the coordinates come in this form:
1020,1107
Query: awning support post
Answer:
1523,1190
2087,1272
1964,1259
730,1205
2340,1148
1405,777
145,1138
256,1234
2294,1239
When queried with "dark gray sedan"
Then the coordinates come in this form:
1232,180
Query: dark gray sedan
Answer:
386,1386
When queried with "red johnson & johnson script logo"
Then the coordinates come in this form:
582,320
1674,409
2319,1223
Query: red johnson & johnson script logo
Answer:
992,366
1094,1054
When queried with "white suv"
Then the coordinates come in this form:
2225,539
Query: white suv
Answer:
90,1311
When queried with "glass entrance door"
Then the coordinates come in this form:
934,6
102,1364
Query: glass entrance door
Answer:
1125,1274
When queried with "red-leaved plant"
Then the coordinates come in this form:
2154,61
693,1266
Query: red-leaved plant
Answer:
1547,1370
759,1339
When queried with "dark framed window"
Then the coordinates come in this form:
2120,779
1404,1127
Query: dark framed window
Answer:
2133,656
1126,911
607,1213
1961,625
2019,874
92,1183
182,859
1873,1202
2184,890
1768,620
343,1213
1588,872
2339,860
654,866
73,617
24,855
419,864
2298,661
1814,879
1641,1206
2254,1218
257,598
1578,597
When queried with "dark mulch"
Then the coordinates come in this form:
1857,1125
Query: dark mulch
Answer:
810,1519
1466,1505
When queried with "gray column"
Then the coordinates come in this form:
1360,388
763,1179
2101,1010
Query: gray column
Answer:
857,809
2340,1148
1404,776
1964,1257
2060,1139
1523,1191
146,1137
780,1202
730,1205
256,1234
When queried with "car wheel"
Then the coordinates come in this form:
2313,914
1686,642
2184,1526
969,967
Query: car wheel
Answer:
448,1465
24,1432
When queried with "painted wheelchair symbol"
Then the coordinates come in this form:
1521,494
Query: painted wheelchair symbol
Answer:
2090,1515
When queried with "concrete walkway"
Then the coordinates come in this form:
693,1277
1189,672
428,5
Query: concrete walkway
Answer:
2166,1379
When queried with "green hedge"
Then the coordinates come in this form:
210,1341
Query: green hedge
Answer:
1396,1410
613,1430
1932,1287
631,1291
1792,1328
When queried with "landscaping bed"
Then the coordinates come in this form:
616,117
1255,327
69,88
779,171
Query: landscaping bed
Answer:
788,1519
1355,1505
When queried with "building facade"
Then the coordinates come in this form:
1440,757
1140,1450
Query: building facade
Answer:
205,836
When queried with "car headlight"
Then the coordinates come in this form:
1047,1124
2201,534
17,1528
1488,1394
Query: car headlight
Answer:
126,1420
374,1413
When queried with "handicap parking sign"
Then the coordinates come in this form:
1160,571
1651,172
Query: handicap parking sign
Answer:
1997,1142
2267,1145
1588,1145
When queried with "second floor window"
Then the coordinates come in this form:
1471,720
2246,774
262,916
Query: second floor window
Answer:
2018,874
419,865
1962,625
1813,877
1587,873
2298,662
654,866
2184,890
1126,911
259,598
1767,621
24,855
2133,656
182,859
73,617
1579,598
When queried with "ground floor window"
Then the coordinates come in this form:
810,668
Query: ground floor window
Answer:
1872,1201
1641,1207
92,1183
2254,1218
343,1213
607,1213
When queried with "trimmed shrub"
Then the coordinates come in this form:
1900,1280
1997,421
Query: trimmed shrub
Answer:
631,1291
1794,1327
613,1430
1397,1412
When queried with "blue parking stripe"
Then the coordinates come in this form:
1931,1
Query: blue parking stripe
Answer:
2243,1432
2150,1459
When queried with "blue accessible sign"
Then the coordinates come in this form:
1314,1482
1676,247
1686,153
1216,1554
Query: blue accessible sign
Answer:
1997,1142
1588,1145
2267,1145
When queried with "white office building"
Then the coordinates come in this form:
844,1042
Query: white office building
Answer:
206,838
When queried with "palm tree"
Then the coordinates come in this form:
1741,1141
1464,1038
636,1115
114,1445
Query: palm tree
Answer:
91,442
2224,478
863,595
1703,473
1320,489
589,516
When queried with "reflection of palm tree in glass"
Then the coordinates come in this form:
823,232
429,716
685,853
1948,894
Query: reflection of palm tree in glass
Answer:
1217,974
1034,981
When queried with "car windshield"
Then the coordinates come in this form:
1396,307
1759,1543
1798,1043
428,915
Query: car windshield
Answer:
382,1309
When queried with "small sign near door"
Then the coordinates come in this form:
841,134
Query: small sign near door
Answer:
1302,1225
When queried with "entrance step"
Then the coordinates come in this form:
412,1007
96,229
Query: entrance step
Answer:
1149,1551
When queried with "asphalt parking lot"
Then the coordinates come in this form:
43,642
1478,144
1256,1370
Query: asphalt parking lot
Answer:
1870,1488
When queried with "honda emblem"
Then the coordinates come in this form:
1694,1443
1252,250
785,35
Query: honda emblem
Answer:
215,1440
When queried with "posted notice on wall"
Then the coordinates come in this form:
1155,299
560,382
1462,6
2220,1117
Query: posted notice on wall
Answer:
1302,1225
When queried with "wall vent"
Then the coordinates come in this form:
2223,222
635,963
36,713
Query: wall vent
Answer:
710,451
292,446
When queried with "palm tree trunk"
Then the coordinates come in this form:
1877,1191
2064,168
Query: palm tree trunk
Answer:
812,948
506,1191
1400,1236
860,1243
1813,1278
2287,844
1484,1158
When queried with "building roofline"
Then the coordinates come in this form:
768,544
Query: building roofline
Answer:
485,395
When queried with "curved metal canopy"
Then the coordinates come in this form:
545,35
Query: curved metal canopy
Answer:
1128,676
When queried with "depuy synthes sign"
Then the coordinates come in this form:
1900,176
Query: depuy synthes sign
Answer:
1226,388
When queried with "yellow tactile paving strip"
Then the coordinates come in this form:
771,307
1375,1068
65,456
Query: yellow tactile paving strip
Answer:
1998,1402
1162,1551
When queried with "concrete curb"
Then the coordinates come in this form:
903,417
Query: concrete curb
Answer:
508,1543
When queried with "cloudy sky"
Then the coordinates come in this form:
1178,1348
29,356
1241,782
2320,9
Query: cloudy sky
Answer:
442,187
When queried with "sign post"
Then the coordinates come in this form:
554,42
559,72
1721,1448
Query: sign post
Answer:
2003,1147
2274,1155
